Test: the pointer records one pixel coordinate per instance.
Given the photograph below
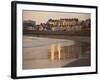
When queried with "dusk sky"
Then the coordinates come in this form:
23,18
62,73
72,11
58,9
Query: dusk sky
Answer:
43,16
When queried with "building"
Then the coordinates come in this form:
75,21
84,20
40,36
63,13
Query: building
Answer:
29,25
65,24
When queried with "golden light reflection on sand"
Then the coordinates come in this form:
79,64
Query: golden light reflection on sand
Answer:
59,52
52,52
53,49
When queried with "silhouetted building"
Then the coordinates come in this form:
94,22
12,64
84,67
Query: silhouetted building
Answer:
29,25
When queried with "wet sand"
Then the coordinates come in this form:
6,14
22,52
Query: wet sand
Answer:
35,52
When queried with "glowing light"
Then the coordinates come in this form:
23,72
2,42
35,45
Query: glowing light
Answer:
59,52
58,48
52,53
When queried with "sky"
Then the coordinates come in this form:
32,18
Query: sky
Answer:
43,16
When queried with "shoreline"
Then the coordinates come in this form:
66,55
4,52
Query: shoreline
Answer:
75,38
